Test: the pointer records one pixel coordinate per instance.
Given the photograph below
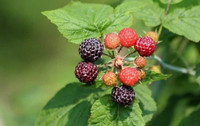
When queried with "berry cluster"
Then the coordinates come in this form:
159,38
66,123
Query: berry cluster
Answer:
120,71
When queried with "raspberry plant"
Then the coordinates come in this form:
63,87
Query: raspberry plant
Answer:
114,74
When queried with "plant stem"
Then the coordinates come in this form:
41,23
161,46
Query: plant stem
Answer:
174,68
130,53
120,49
166,12
113,53
107,55
188,70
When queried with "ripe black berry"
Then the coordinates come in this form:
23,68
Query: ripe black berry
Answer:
86,72
91,49
123,95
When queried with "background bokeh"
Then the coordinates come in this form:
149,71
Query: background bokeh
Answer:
36,61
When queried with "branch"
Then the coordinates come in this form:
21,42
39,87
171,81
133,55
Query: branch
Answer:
167,66
174,68
166,12
131,53
108,55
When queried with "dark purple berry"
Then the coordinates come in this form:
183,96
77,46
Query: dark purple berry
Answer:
91,49
86,72
123,95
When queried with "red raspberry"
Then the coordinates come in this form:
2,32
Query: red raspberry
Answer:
129,76
112,41
109,79
145,46
128,37
140,61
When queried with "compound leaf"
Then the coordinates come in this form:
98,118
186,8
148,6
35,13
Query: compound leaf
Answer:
184,22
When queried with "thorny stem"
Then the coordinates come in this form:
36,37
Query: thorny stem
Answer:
166,12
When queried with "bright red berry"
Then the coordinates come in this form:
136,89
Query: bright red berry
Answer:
128,37
145,46
129,76
140,61
109,79
112,41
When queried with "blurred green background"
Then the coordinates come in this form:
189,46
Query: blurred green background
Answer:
36,61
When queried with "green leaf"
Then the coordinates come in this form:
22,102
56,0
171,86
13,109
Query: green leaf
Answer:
197,74
78,21
184,22
192,120
147,103
146,10
172,1
120,19
197,69
106,113
70,106
153,76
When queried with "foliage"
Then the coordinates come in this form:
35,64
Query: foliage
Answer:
77,104
78,21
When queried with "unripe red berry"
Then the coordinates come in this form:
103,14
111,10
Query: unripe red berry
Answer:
109,79
128,37
140,61
142,74
112,41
